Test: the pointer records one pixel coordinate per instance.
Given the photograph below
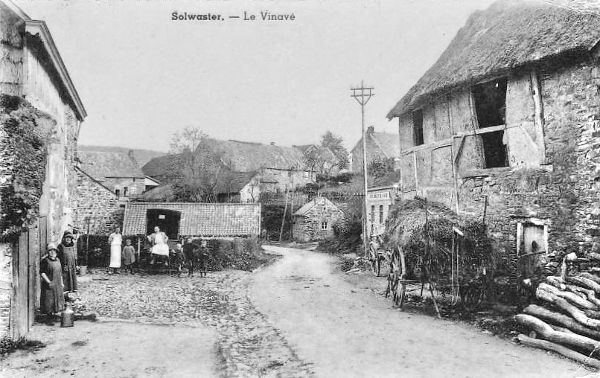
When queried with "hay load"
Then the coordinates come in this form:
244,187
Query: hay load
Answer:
437,243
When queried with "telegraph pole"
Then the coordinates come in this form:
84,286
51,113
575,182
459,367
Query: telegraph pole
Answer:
362,95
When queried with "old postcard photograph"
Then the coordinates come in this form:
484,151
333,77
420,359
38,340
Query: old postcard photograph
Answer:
300,188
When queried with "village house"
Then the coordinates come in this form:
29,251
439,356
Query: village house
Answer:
319,159
117,171
40,115
241,187
180,219
379,146
279,168
381,195
315,220
506,125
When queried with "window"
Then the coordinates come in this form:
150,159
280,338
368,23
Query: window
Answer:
490,103
324,225
490,108
372,213
494,150
117,192
380,214
125,192
417,117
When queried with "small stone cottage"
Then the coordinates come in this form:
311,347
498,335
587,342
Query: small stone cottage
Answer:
506,125
315,220
40,117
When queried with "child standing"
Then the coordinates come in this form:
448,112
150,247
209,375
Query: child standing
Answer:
179,258
128,256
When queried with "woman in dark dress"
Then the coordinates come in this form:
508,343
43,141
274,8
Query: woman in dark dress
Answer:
68,258
52,296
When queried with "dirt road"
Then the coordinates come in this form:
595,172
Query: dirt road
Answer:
347,331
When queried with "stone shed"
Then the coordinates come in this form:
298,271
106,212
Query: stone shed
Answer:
506,125
315,219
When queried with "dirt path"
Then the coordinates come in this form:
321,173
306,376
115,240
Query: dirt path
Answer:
347,331
117,349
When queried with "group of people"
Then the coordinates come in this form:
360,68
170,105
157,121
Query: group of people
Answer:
58,275
58,269
188,254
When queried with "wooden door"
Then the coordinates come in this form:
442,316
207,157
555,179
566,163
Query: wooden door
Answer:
20,301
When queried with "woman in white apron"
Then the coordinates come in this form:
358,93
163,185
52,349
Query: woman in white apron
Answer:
159,244
115,239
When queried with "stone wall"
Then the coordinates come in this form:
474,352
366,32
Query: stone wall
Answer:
98,203
553,177
26,70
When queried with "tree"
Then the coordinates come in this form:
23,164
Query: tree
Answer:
199,166
335,145
380,167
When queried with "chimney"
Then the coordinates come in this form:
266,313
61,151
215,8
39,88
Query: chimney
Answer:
131,155
371,129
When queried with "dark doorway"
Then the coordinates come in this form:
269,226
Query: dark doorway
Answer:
167,220
494,150
490,103
417,117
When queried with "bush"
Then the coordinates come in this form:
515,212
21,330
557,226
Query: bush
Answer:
8,345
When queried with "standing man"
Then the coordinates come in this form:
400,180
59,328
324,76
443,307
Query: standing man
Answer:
67,254
115,240
203,257
191,253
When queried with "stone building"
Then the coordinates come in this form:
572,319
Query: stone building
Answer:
38,95
97,210
507,123
117,171
379,146
279,168
315,220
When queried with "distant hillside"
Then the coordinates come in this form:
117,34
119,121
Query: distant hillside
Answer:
141,156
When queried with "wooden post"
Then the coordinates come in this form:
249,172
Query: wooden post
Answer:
539,115
437,310
485,205
284,213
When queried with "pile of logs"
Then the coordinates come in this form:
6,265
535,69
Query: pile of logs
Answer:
567,318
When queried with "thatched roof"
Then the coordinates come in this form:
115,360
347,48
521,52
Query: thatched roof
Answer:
388,143
508,35
228,183
248,156
102,164
162,167
141,156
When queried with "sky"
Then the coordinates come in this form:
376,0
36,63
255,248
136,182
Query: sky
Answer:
142,76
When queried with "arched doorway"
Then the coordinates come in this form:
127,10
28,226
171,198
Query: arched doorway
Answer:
167,220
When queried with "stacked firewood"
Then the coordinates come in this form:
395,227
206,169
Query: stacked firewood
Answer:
567,318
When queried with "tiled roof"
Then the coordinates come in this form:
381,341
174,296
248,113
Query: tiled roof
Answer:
102,164
307,207
199,219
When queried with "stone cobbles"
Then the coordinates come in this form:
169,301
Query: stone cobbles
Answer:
248,345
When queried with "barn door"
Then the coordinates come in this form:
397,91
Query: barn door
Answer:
20,303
